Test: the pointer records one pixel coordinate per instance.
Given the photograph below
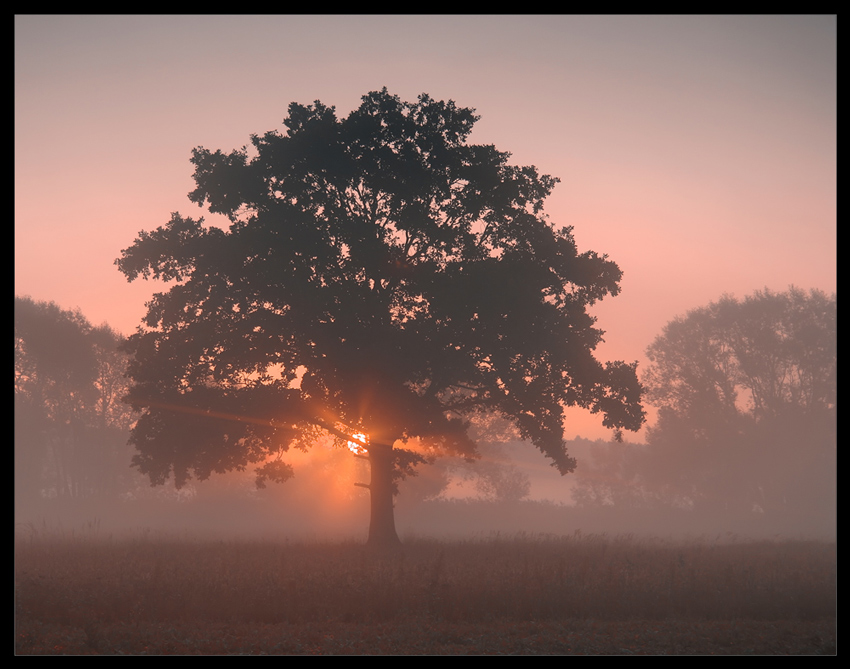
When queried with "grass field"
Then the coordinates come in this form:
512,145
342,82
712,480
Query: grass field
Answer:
527,595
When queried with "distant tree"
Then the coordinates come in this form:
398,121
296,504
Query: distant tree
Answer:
609,475
71,426
380,276
501,482
746,392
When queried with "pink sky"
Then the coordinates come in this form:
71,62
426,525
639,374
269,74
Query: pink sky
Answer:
699,153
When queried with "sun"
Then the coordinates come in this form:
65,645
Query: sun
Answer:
357,447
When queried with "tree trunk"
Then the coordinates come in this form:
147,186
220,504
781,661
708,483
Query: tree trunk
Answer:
382,521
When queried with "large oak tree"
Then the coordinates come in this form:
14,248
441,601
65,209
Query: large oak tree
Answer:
380,276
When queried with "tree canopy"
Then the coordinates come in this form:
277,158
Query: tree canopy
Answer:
380,275
771,354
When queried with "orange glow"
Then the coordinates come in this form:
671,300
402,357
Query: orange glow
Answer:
324,480
358,447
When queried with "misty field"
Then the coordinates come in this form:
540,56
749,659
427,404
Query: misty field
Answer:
528,595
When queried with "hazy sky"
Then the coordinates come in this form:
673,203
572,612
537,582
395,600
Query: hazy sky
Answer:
698,152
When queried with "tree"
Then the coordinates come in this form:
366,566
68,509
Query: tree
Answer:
746,392
70,423
380,276
609,476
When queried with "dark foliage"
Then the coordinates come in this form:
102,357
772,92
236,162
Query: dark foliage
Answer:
379,275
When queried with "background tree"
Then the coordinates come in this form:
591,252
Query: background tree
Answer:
71,426
746,392
494,476
379,276
610,476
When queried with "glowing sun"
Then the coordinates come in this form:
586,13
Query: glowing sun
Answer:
357,447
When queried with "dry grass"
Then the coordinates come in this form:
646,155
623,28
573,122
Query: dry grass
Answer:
579,594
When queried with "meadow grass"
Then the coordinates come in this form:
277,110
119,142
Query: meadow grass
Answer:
104,595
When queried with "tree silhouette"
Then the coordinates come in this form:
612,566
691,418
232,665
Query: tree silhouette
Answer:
379,276
746,391
70,423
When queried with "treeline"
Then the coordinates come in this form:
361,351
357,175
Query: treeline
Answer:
745,438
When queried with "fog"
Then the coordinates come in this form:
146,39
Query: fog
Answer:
382,382
763,466
695,153
445,501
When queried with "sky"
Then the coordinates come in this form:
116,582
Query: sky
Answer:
697,152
